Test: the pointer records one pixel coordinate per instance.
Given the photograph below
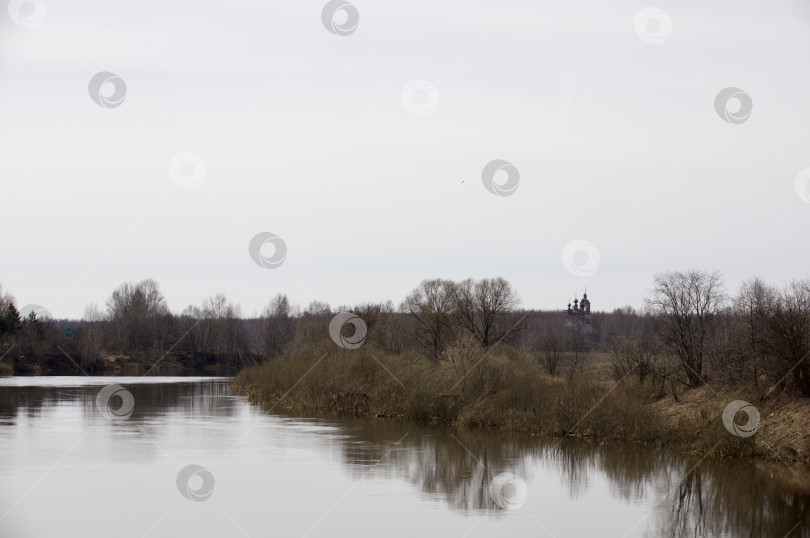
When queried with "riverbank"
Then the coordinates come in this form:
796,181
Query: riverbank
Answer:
113,364
420,471
506,391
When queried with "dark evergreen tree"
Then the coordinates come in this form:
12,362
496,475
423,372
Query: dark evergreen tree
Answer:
10,322
33,325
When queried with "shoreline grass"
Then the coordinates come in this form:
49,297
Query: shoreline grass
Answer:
507,391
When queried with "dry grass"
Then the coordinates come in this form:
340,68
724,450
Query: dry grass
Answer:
6,369
506,391
694,423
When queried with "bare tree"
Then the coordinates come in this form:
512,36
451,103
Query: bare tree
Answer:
482,308
550,348
92,339
577,346
686,301
277,325
390,331
139,315
639,355
369,313
738,351
430,306
787,332
226,327
318,309
213,331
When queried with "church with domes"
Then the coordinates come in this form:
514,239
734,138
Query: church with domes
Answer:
579,315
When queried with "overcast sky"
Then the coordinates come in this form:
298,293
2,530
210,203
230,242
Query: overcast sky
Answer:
364,152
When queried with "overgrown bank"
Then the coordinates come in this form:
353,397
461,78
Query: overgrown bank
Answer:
507,390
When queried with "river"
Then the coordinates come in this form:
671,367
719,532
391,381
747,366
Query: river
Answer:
185,456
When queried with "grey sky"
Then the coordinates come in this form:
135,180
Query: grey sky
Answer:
305,134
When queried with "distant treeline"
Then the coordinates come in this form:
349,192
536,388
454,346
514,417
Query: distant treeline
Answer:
690,331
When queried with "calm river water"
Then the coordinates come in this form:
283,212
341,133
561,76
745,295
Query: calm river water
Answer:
194,459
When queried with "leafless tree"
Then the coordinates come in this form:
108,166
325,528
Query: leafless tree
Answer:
639,355
686,301
213,331
551,348
226,327
139,316
787,332
391,329
430,306
277,325
369,313
577,349
735,348
93,338
481,307
318,309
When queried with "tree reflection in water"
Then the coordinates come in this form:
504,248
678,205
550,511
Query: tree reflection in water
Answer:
455,466
689,497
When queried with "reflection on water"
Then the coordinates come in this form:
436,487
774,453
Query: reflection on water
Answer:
710,499
335,476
